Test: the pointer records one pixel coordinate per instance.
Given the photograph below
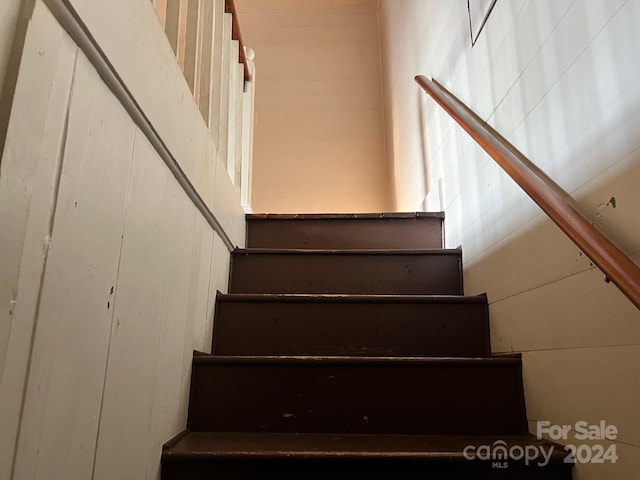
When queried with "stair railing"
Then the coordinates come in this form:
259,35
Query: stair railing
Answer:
230,7
617,266
206,38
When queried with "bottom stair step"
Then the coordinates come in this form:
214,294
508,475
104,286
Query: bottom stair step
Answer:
207,455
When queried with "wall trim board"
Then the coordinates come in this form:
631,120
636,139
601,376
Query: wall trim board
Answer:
70,20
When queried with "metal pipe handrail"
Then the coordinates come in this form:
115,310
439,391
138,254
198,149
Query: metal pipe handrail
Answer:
617,266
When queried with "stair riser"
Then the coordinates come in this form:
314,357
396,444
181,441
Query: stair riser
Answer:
362,329
349,470
409,233
363,398
346,273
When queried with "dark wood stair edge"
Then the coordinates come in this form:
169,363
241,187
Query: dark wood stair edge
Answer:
284,454
175,440
342,216
514,360
293,251
556,459
349,298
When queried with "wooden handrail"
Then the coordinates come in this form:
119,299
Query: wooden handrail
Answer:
617,267
230,7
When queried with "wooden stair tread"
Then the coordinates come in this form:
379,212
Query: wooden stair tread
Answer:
479,362
355,251
349,298
343,216
315,446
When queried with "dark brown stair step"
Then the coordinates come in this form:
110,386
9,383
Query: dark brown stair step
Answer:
264,455
360,325
402,272
346,231
357,395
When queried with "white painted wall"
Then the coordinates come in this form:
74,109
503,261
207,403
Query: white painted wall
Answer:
319,134
109,271
560,79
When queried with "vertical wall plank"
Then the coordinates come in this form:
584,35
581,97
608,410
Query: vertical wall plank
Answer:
9,11
191,43
247,136
213,287
216,70
233,103
239,112
206,60
28,185
182,33
137,304
192,307
168,396
227,206
223,136
64,392
199,46
218,282
190,343
221,261
200,288
172,23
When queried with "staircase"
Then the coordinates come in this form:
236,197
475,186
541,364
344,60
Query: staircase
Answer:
346,347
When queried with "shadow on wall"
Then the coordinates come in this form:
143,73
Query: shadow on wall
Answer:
600,186
539,254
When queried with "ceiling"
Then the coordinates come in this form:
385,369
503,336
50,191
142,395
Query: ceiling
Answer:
306,6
